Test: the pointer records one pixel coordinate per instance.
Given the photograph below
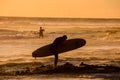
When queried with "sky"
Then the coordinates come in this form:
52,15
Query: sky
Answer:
61,8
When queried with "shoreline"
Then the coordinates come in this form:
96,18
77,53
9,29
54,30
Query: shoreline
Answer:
67,68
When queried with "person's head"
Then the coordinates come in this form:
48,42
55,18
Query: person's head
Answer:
64,37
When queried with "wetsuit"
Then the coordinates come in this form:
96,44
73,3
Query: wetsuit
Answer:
54,47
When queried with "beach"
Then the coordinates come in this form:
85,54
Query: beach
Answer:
19,38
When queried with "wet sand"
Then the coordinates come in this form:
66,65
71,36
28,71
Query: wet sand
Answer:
38,70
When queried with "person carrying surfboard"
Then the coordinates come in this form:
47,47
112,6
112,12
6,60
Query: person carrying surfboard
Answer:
54,47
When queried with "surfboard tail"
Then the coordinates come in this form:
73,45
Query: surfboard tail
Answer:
33,55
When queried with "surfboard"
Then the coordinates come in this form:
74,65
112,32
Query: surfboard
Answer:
68,45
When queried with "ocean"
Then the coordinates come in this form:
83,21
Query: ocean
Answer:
19,38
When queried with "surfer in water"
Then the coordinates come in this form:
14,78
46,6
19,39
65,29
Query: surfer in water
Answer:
41,32
54,47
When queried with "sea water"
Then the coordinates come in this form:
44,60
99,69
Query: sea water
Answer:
19,38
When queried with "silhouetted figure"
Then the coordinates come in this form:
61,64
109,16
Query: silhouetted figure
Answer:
41,32
54,47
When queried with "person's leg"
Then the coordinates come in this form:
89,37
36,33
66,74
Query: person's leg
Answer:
56,59
42,34
39,35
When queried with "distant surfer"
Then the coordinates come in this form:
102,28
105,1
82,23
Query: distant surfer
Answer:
41,32
54,47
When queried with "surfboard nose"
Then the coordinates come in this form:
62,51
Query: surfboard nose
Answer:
82,42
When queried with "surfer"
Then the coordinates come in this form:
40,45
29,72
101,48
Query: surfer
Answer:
54,47
41,32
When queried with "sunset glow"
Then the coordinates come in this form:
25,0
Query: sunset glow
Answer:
61,8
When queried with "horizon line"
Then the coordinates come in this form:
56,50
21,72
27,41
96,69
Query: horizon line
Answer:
56,17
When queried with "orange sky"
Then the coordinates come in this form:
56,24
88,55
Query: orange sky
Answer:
61,8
